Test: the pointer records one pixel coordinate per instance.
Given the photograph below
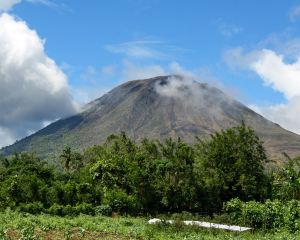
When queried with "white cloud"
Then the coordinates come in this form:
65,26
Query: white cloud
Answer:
237,59
174,85
294,13
283,43
287,114
177,69
5,137
33,88
6,5
283,77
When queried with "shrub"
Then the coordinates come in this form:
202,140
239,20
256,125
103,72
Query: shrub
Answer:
85,208
234,209
68,210
33,208
291,215
105,210
269,215
120,201
56,209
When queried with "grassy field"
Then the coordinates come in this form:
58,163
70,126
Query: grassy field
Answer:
28,227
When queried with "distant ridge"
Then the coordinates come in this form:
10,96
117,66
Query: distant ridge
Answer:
160,107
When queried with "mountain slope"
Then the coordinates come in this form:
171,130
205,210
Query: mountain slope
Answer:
167,106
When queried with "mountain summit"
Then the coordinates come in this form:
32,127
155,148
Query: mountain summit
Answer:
160,107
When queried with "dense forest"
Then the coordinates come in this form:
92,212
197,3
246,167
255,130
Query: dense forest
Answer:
225,174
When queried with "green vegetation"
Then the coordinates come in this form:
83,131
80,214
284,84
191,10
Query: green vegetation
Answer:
222,178
32,227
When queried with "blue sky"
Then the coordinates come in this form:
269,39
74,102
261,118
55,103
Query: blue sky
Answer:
193,33
232,44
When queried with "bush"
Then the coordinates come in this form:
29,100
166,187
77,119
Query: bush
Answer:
234,209
121,202
68,210
269,215
291,215
105,210
33,208
56,209
85,208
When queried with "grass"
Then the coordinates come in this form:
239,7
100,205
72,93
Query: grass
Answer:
22,226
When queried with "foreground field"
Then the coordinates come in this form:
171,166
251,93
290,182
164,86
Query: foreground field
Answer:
29,227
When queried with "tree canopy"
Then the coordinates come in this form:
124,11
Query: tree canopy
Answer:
146,177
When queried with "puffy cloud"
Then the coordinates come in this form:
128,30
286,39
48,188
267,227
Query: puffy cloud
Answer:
33,88
174,86
282,76
6,5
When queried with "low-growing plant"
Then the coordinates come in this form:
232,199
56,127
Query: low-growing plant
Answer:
28,233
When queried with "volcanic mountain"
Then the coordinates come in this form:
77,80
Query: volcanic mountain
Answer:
160,107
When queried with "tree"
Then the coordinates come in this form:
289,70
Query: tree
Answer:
174,175
66,157
286,180
230,164
71,160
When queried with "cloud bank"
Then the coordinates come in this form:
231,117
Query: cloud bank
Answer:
282,76
33,88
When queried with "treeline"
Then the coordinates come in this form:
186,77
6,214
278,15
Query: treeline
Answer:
148,177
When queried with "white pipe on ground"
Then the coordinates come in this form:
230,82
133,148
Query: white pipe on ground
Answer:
203,224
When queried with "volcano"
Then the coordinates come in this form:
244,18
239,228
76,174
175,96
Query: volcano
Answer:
157,108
